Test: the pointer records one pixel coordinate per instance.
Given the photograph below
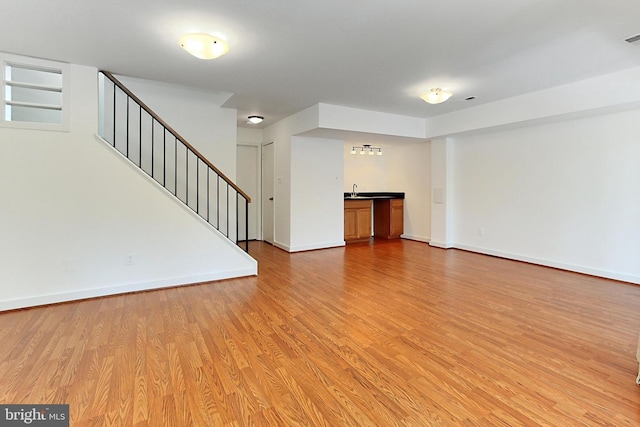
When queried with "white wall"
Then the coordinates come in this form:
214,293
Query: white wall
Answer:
564,194
598,95
317,202
409,171
73,212
369,173
280,134
442,193
248,179
305,172
196,115
374,122
249,175
247,136
404,167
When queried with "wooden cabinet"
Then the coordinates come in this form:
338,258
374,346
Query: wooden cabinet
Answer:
357,220
388,218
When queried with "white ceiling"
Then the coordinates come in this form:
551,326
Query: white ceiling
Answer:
286,55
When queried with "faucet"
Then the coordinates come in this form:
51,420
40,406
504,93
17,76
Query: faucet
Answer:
353,190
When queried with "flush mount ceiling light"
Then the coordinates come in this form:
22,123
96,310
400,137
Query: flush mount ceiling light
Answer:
436,96
255,119
204,46
367,149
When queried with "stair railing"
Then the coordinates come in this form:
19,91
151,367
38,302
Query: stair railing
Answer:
137,132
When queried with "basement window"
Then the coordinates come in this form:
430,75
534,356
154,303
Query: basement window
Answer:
34,93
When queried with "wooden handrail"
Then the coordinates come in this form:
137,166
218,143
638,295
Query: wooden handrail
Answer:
174,133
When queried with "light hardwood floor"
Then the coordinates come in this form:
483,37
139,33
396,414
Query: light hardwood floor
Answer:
395,333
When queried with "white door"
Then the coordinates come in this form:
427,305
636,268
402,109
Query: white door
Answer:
267,192
247,178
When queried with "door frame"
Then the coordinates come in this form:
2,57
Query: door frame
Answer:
264,174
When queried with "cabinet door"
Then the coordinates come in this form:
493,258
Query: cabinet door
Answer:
397,218
388,218
357,220
364,223
350,224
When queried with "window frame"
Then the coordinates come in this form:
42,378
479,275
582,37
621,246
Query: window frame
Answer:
35,64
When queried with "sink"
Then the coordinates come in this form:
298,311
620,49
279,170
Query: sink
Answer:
373,196
367,197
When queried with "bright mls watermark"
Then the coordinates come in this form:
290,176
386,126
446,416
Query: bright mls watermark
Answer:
34,415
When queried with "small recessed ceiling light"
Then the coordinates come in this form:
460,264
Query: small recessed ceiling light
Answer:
436,96
634,39
255,119
204,46
470,98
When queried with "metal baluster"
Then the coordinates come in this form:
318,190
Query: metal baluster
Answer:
127,130
114,114
198,186
175,166
237,213
140,136
152,146
246,223
228,231
186,185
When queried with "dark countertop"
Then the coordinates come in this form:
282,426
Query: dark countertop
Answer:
372,196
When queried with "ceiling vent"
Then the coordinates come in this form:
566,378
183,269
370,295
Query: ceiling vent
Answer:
634,40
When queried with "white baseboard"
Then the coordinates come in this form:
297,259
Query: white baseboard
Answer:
311,247
416,238
442,245
315,246
281,246
555,264
122,289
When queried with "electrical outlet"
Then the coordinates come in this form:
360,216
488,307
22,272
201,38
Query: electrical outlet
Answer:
129,259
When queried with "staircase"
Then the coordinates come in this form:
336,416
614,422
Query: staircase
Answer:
140,135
